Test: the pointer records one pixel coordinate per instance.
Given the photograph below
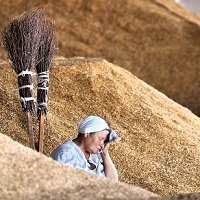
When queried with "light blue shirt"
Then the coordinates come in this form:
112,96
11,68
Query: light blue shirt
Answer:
70,154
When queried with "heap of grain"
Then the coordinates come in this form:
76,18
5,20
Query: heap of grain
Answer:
159,150
158,41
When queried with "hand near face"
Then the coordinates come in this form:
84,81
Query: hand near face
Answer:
105,148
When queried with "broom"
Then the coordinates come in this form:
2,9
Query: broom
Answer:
21,41
44,59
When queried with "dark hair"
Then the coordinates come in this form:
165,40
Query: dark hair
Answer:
80,135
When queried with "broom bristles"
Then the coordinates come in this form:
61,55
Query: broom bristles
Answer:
44,58
21,39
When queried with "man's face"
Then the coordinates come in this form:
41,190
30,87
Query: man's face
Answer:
95,142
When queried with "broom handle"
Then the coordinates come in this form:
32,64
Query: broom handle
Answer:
41,131
30,130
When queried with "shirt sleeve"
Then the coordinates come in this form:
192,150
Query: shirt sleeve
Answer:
64,156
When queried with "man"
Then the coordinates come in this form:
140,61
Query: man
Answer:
89,150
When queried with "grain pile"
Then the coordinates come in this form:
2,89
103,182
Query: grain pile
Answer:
160,148
26,174
158,41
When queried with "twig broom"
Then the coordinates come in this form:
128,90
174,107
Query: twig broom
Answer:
44,59
21,39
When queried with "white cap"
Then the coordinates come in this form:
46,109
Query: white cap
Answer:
92,124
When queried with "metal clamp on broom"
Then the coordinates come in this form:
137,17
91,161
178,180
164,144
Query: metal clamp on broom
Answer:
21,41
44,59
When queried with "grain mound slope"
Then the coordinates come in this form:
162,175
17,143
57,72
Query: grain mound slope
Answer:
160,148
26,174
158,41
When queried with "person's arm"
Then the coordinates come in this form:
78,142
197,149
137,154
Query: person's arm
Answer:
63,155
109,167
